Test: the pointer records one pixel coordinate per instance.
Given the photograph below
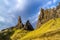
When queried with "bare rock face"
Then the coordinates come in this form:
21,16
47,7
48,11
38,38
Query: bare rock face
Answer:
28,26
19,24
48,14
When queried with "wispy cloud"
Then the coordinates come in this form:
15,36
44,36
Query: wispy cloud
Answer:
47,4
6,2
54,1
2,19
34,18
8,9
21,4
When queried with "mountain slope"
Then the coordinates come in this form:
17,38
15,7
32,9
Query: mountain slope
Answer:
19,34
51,25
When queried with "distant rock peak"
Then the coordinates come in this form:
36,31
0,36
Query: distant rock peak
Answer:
19,19
28,26
19,24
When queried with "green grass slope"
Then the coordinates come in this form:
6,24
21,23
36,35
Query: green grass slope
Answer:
51,25
18,34
5,34
12,34
53,35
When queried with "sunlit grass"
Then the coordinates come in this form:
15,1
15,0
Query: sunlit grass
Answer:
19,34
51,25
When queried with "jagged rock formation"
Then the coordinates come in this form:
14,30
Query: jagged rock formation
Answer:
5,34
28,26
19,24
48,14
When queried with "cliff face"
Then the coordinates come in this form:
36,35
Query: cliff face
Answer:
48,14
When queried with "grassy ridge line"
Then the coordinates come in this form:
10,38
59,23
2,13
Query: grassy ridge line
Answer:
43,29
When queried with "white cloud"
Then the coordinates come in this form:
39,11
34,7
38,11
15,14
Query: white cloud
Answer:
7,10
54,1
21,4
6,20
34,18
12,15
6,2
53,6
48,3
38,13
2,19
9,20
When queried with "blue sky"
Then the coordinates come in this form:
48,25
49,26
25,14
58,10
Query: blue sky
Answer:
27,9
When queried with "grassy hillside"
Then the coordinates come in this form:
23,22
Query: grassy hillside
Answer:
48,31
51,25
18,34
5,34
12,34
53,35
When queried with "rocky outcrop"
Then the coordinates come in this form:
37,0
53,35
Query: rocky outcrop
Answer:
24,29
28,26
48,14
19,24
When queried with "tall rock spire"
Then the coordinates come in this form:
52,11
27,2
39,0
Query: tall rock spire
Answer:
19,24
28,26
19,20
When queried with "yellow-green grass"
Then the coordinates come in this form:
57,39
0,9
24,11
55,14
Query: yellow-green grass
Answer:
18,34
51,25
